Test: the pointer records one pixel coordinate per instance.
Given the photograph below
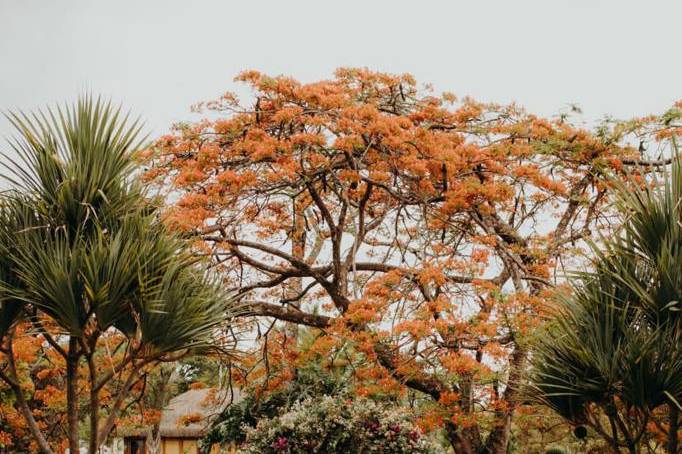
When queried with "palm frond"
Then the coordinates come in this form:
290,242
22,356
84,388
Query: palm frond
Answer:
617,334
80,242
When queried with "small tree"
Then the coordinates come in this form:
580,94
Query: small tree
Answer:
613,358
83,255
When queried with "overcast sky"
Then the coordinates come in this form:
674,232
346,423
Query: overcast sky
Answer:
158,57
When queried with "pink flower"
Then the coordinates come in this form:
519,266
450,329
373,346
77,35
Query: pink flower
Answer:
280,444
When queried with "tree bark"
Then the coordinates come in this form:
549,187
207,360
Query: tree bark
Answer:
289,315
25,410
294,286
94,404
72,359
498,439
460,444
116,408
153,441
32,425
674,415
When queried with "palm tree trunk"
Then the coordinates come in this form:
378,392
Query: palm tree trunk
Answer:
614,434
72,394
94,404
674,414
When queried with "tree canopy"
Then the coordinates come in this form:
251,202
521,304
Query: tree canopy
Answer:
425,231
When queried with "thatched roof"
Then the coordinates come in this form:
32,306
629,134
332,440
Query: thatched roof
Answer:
196,402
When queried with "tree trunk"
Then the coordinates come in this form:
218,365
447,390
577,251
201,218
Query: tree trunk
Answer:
14,383
498,439
294,285
460,444
116,408
674,414
32,425
72,395
153,441
94,404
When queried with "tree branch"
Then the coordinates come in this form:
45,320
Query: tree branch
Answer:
287,314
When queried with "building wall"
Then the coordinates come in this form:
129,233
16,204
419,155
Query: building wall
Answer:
180,446
188,446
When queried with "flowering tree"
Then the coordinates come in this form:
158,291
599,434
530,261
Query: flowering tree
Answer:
85,261
424,231
41,373
44,395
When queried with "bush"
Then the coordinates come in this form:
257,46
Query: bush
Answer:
333,424
309,382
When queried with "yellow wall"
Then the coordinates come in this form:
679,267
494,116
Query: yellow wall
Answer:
171,446
182,446
190,447
179,446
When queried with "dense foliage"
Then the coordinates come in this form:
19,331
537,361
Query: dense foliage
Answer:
309,382
332,424
612,360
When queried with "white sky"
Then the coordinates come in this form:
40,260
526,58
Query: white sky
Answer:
158,57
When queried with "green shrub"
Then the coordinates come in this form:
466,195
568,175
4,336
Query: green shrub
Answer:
334,424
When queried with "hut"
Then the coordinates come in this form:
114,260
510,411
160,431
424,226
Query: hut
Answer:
183,422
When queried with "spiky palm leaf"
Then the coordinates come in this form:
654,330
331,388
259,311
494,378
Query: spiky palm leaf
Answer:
75,160
81,243
618,333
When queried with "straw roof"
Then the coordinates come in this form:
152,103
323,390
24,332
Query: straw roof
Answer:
201,403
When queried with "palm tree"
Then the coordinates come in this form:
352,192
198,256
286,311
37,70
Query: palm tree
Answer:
82,247
612,357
